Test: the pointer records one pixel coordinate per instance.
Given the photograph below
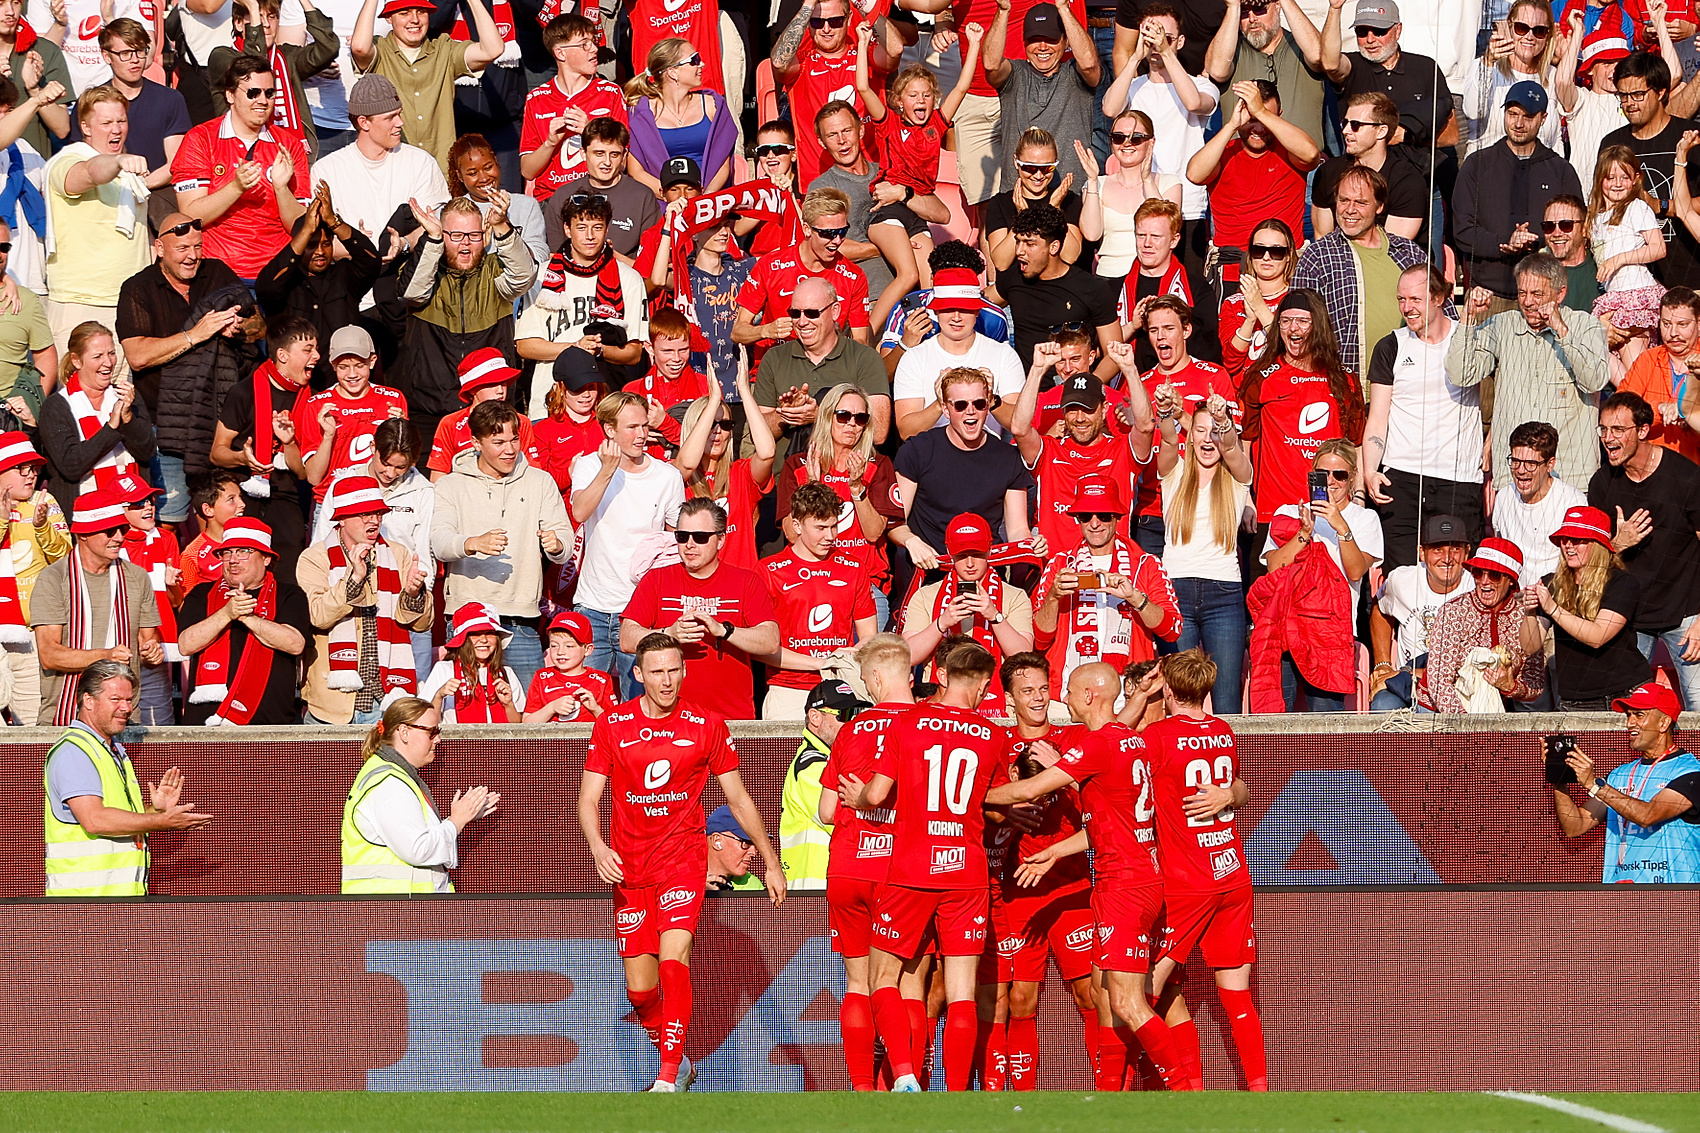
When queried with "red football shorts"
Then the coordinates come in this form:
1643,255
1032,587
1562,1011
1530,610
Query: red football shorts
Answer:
960,917
1128,920
643,912
850,905
1062,927
997,959
1219,924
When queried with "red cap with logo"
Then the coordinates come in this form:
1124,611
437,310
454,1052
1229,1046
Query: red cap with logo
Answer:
1650,695
968,534
1096,494
573,622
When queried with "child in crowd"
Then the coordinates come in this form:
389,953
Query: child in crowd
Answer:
776,161
216,500
566,690
571,428
1623,227
471,685
155,551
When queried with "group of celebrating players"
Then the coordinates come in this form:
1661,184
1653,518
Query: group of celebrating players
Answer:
959,857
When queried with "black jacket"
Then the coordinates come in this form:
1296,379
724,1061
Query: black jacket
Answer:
329,300
1496,192
192,385
69,456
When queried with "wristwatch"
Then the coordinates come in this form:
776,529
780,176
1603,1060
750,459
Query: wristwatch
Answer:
1594,791
997,620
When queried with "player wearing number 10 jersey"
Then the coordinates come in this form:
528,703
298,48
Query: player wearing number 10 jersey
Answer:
940,758
658,756
1206,885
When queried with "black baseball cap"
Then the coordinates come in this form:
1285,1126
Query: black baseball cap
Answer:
576,369
1084,391
1042,22
680,171
837,697
1438,529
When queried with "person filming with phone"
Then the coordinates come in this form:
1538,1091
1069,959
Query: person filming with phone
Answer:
970,600
1650,805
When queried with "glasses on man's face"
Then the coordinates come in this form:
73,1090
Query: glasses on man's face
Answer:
5,246
118,530
581,44
1616,430
579,200
819,22
1635,96
128,55
831,234
1539,31
463,237
1551,226
1254,9
432,732
774,149
963,405
1123,138
259,92
1364,31
1267,251
1100,516
849,417
1355,124
806,312
700,538
1522,462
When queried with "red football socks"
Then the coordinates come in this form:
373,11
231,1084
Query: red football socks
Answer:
647,1004
1112,1059
856,1023
1248,1036
992,1056
1186,1049
960,1025
1159,1046
891,1019
1023,1051
675,1016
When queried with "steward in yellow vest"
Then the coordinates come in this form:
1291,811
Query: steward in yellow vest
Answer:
804,840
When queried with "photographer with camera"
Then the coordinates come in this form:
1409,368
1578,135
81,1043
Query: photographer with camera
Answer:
1651,805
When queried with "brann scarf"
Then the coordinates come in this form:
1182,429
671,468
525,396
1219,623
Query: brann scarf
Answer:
610,301
1098,625
475,698
286,115
265,441
502,13
395,646
153,552
976,627
238,697
79,626
91,418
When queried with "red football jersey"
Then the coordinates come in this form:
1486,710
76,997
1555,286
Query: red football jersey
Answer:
861,839
600,98
1195,382
1298,413
1200,855
1059,821
822,79
689,386
656,770
249,233
695,20
818,602
356,421
717,675
454,436
550,683
943,760
1112,768
560,442
1061,464
768,290
908,154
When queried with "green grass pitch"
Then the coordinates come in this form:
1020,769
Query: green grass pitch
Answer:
256,1112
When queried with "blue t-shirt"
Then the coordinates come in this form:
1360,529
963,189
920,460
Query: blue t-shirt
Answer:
716,298
993,322
70,772
1668,853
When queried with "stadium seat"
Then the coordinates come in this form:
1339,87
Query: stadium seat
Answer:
1358,700
950,192
767,97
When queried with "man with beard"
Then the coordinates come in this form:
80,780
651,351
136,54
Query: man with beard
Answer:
1046,294
1251,44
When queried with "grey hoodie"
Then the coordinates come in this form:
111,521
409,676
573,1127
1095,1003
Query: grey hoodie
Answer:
469,503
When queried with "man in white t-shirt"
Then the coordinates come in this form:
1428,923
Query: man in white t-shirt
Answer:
1178,104
620,496
1534,508
379,174
1399,620
1423,438
957,301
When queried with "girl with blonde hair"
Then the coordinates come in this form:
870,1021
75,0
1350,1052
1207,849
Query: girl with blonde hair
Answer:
671,114
1591,601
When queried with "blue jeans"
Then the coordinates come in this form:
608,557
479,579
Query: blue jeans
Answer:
331,140
1687,672
605,652
1213,615
424,653
882,609
1105,39
1317,700
523,653
175,507
153,702
367,718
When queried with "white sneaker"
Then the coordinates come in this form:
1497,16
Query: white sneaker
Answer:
661,1087
687,1075
908,1084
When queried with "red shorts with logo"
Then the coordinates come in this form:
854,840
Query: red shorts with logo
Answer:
1219,924
643,912
1061,927
1128,925
997,959
850,906
960,917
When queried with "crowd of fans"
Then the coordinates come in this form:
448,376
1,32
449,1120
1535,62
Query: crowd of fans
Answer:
336,366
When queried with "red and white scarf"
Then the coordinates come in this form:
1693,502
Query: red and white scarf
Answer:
1096,625
239,697
974,626
91,418
14,627
79,627
475,697
1173,281
265,440
395,646
153,551
503,14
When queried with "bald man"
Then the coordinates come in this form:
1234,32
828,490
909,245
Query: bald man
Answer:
153,309
1108,764
797,371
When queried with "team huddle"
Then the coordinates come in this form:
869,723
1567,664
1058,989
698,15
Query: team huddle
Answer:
959,858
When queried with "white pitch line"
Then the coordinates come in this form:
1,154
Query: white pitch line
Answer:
1586,1113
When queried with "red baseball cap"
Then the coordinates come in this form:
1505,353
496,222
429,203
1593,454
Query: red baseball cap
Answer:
968,534
1094,493
1650,695
574,623
132,489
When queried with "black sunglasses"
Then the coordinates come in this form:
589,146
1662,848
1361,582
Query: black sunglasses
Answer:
1356,124
1268,251
695,60
1254,9
1364,31
182,229
774,149
807,312
1336,473
579,200
432,732
699,537
1061,327
1539,31
818,22
830,234
260,92
1100,516
1036,166
1551,226
111,531
722,425
962,405
847,417
5,245
1122,138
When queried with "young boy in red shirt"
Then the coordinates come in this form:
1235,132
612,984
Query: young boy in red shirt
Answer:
334,428
671,379
565,690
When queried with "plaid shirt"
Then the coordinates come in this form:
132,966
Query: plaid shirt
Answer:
1329,267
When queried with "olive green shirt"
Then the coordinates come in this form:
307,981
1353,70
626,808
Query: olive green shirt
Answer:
427,89
19,335
1300,87
53,70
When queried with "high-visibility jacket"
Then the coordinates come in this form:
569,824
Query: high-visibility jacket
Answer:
80,864
368,867
804,840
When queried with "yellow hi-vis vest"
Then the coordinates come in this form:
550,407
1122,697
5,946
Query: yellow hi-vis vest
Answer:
368,867
805,842
80,864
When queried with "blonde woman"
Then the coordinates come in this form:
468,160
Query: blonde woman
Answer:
841,455
1109,201
392,838
705,461
1205,488
94,427
1591,602
1521,49
671,114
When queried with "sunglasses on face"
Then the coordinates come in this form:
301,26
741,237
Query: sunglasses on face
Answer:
1551,226
806,312
5,246
819,22
579,200
1036,166
1338,474
1539,31
432,732
1355,124
183,229
111,531
700,538
1118,137
1254,10
694,61
831,234
1268,251
962,405
849,417
260,92
774,149
1364,32
1100,516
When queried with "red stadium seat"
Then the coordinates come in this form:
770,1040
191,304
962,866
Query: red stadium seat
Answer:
950,192
767,97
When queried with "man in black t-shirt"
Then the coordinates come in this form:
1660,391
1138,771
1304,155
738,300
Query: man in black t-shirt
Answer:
1367,128
1046,295
1653,496
1643,87
1414,83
